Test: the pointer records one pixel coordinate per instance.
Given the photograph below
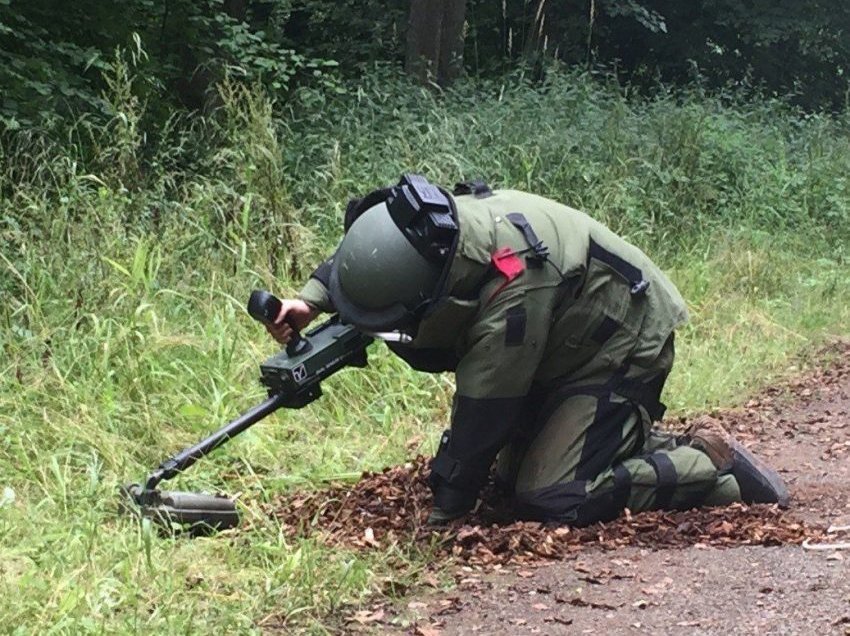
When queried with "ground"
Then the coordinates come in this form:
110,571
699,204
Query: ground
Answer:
739,570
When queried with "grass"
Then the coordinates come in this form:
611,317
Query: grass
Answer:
124,335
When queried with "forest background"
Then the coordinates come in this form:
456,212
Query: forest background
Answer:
160,159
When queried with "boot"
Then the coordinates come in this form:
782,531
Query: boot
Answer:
758,482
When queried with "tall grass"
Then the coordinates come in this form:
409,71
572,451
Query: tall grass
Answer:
123,279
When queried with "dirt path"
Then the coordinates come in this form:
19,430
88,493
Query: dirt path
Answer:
805,431
745,590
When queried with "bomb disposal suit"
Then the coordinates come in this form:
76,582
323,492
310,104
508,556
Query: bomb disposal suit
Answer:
560,335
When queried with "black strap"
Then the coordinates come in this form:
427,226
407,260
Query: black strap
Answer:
356,207
560,502
647,394
603,439
667,476
558,395
541,252
440,287
605,330
622,486
637,283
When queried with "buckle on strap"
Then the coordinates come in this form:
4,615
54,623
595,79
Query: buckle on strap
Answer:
476,187
518,220
633,275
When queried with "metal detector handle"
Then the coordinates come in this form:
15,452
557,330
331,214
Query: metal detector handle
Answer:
265,307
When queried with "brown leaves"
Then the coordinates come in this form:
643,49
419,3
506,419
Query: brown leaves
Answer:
580,602
387,508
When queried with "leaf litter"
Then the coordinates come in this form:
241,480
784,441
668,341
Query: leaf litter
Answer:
389,508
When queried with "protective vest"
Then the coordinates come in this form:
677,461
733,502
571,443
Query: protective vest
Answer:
537,294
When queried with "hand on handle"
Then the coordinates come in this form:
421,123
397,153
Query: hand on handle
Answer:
294,315
283,319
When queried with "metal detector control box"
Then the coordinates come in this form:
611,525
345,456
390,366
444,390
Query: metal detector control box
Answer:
333,346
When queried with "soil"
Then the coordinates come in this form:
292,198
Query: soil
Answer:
737,570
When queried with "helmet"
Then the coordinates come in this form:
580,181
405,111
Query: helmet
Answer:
391,262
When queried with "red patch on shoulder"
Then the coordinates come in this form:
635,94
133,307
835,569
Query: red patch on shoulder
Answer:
508,264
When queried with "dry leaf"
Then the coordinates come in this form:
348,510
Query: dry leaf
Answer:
369,538
367,616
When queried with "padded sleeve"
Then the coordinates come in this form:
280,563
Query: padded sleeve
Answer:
505,345
315,291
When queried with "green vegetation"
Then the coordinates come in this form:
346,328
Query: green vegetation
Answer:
52,53
127,258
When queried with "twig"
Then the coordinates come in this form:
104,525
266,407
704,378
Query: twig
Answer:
825,546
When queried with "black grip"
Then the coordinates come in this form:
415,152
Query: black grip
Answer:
265,307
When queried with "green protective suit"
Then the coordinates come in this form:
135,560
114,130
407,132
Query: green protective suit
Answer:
560,334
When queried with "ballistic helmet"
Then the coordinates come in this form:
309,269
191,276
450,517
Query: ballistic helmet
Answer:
394,255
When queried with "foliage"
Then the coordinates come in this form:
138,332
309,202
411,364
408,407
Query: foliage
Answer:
127,258
52,53
782,46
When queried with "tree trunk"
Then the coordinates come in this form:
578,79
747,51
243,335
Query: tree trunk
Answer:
435,40
451,41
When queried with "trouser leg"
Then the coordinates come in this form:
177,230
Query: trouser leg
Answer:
580,469
596,454
580,440
677,479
